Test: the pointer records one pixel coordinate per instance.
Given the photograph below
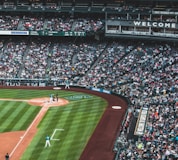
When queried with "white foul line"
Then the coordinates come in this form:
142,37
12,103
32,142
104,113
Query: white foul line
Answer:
26,132
54,134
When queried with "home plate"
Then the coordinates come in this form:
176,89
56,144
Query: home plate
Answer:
116,107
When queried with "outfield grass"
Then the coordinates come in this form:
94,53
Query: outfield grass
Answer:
70,125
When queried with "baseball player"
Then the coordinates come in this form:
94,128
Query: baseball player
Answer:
67,83
51,98
47,144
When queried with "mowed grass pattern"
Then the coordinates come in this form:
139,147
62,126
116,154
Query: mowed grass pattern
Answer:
16,116
78,120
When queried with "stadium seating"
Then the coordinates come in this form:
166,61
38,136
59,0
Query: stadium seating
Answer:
145,72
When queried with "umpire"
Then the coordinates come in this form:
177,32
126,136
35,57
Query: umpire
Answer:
7,156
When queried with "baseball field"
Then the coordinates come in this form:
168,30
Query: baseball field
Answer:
28,115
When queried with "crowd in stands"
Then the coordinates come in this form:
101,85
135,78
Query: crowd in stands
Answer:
146,73
55,23
32,23
73,60
35,61
11,57
8,22
160,138
152,71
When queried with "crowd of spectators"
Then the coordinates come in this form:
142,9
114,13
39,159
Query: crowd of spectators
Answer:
73,60
51,23
35,61
152,71
32,23
60,24
160,138
41,60
8,22
88,25
11,57
143,72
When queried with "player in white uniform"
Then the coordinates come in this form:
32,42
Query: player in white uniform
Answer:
67,84
47,144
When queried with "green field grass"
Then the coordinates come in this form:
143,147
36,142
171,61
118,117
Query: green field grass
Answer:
71,125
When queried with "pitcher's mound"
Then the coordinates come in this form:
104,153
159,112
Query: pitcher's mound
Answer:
45,102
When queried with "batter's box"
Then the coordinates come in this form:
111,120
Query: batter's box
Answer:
55,132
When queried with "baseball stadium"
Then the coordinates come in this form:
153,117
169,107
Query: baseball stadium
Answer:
88,80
